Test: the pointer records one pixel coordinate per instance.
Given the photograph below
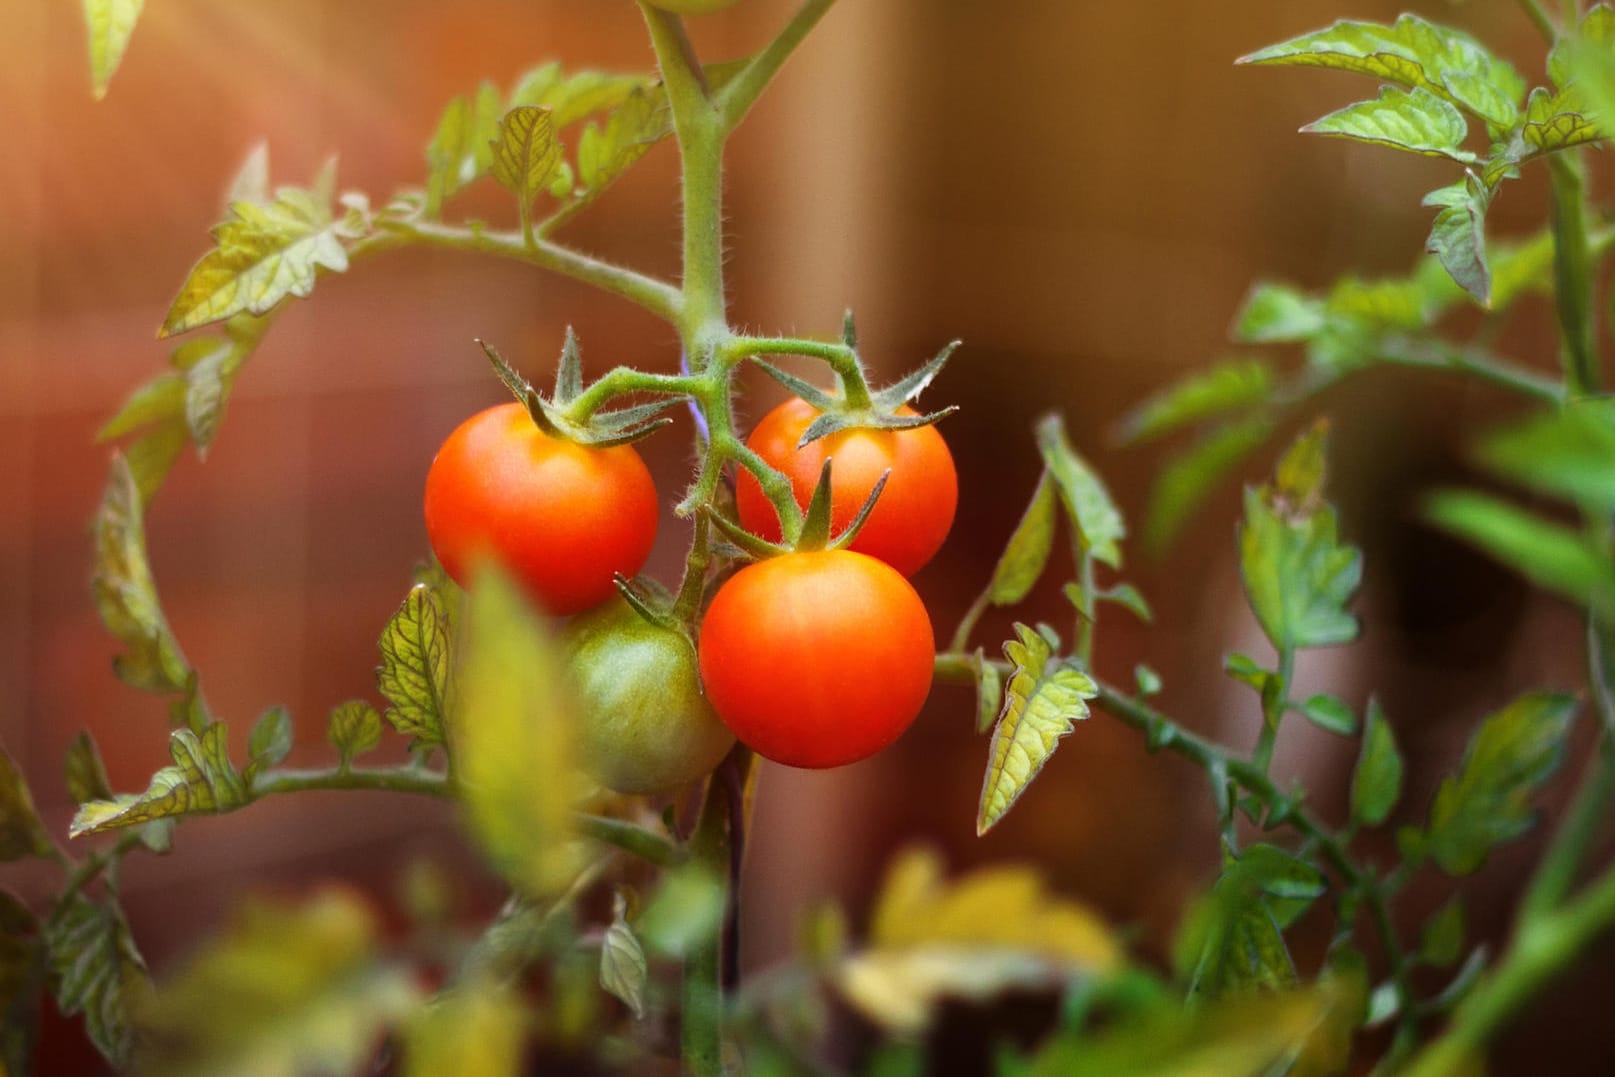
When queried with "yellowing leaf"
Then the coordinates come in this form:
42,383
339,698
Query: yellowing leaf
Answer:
1095,516
1415,120
1042,702
86,774
992,930
98,972
263,253
125,592
354,728
526,152
109,23
21,832
1027,553
513,742
201,780
414,674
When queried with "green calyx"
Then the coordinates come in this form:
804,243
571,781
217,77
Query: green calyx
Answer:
816,532
557,417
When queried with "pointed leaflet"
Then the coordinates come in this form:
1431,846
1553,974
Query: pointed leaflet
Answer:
1377,782
514,745
1415,120
989,692
526,153
108,24
354,728
1488,801
286,990
1230,941
86,774
1298,576
1229,386
1559,121
1414,53
264,253
201,780
622,960
461,149
1569,453
1276,313
1458,235
993,930
21,832
1045,697
1027,553
1194,475
1331,713
1096,518
414,674
270,740
1547,554
97,971
125,593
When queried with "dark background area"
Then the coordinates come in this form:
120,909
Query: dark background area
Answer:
1082,192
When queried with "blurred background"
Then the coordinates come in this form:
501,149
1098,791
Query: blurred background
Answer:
1082,192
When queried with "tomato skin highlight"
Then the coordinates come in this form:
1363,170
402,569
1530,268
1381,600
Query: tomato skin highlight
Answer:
817,659
645,725
915,510
561,517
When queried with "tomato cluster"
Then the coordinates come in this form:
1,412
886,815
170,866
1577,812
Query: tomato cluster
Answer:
812,658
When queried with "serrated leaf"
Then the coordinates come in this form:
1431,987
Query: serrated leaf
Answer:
1195,474
1413,53
606,152
992,930
989,693
1331,713
475,1027
263,253
21,832
623,971
1230,386
526,152
414,674
1458,235
1043,701
202,780
125,593
1559,121
1597,31
1027,552
514,748
1097,521
286,990
1569,453
1488,801
572,97
108,24
1230,942
1415,120
1274,313
1376,784
86,773
354,728
1545,553
460,149
270,741
97,971
1441,940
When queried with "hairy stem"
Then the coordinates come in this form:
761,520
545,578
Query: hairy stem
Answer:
738,97
631,838
392,780
838,356
1572,273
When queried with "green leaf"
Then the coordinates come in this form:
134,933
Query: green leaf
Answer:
263,253
355,728
1281,874
201,780
526,153
286,990
414,674
108,24
125,593
686,912
161,398
86,773
1545,553
1414,120
207,389
461,147
1128,597
1274,313
1027,553
97,971
1521,268
1376,784
993,930
989,693
1596,33
1458,236
21,832
1045,698
270,741
1569,453
23,968
1331,713
622,961
1230,386
514,746
1298,575
475,1027
1194,475
1149,681
572,97
604,153
1413,53
1094,515
1441,940
1230,941
1488,801
1559,121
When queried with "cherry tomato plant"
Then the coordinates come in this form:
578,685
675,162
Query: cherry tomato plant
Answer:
609,763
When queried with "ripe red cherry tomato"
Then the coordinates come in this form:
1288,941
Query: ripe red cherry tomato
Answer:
817,659
914,512
560,516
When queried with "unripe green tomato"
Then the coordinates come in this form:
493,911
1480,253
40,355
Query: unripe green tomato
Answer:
692,7
645,725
